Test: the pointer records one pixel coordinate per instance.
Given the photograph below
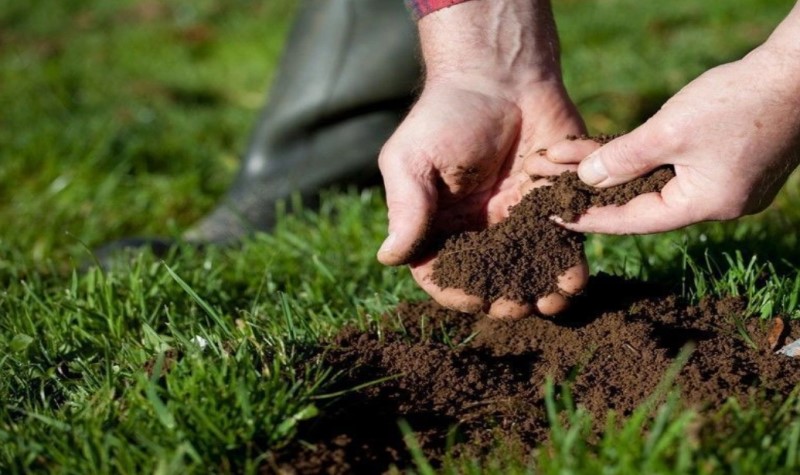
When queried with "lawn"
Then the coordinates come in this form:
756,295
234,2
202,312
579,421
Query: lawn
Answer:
127,118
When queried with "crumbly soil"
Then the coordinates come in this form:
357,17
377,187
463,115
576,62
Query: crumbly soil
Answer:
473,384
482,384
522,257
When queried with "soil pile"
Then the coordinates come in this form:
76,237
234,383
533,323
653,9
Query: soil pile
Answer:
474,382
521,257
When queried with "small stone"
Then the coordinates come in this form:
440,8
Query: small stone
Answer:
792,349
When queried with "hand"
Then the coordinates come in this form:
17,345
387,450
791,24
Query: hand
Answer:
455,162
732,136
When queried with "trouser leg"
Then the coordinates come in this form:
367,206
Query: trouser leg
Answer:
346,79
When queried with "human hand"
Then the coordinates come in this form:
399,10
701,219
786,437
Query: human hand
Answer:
731,135
455,162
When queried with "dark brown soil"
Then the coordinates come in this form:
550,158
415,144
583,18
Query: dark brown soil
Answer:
482,384
521,257
468,384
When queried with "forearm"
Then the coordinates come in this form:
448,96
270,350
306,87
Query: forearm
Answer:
778,60
777,66
786,37
512,42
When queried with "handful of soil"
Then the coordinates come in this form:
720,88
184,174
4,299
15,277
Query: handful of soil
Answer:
522,257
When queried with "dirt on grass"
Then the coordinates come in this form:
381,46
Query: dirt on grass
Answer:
471,383
466,384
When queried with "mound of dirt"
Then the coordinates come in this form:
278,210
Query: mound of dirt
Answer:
468,384
521,257
471,382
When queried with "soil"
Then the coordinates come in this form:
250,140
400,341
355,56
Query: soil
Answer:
467,384
482,384
522,257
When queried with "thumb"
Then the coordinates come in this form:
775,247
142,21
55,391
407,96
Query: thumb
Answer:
411,199
621,160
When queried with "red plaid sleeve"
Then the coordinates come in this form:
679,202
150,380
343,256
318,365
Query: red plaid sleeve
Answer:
420,8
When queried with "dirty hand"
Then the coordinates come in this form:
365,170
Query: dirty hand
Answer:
455,162
731,134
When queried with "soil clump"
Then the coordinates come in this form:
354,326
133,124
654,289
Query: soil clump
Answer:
473,383
522,257
467,384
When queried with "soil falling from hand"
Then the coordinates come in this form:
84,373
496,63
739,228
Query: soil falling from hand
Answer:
468,385
522,257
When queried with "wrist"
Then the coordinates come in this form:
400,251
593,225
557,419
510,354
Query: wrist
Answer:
778,70
780,54
512,43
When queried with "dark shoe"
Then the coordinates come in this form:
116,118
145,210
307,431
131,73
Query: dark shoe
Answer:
345,81
106,255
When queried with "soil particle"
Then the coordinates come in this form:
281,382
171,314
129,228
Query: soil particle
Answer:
472,383
522,257
601,138
162,364
469,384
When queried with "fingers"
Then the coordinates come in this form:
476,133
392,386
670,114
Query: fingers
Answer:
560,157
621,160
529,185
571,151
411,199
645,214
542,166
505,309
617,162
454,299
572,282
551,305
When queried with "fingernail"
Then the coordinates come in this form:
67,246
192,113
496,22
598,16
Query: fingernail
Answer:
388,243
592,171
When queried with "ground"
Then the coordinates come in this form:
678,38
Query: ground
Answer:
127,118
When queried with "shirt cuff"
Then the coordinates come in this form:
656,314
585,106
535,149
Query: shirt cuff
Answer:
420,8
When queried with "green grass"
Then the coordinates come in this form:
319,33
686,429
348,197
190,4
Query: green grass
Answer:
126,117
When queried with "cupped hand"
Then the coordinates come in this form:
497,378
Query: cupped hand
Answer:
731,135
455,163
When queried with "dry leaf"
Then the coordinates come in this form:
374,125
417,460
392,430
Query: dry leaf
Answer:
775,333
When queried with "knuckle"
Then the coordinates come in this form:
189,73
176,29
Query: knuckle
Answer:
383,158
388,152
642,149
666,135
628,161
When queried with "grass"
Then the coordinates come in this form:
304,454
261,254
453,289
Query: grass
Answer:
127,117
